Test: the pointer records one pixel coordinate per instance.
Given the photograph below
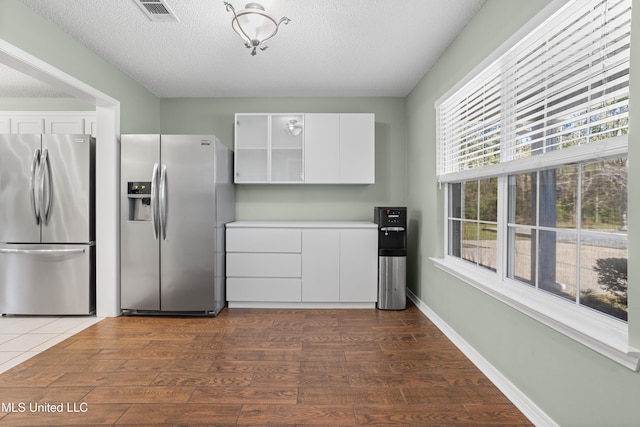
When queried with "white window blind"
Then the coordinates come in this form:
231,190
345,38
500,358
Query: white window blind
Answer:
566,84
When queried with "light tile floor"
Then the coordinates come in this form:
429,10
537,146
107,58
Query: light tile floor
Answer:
23,337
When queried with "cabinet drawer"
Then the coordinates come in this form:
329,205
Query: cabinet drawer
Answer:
264,240
264,265
264,289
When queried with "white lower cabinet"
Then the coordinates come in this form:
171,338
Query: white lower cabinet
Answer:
358,265
293,264
264,265
321,265
250,289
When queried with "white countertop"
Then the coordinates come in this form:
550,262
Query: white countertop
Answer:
302,224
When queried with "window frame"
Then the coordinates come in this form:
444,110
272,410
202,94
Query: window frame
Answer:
600,332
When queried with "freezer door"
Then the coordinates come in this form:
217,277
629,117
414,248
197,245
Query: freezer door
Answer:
47,279
67,181
139,244
19,157
187,214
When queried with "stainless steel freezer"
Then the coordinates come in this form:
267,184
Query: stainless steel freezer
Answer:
176,195
47,231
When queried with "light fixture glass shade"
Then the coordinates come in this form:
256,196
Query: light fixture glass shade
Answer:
293,128
254,25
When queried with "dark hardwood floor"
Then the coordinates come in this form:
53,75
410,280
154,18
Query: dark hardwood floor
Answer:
256,368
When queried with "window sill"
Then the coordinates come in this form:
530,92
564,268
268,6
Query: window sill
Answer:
606,336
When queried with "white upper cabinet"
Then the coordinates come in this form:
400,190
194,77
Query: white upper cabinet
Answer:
357,149
251,148
27,124
322,149
334,148
20,122
64,124
5,124
287,148
265,151
340,148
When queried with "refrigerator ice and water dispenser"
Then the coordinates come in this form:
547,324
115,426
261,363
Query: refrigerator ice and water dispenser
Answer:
139,198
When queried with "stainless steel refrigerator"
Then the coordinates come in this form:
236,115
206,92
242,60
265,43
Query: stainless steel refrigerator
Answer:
176,195
47,225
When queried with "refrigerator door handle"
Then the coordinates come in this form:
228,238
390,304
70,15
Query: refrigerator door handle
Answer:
163,201
35,166
45,175
154,201
42,251
49,193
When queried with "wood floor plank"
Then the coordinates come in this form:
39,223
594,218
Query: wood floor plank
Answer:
356,355
127,354
497,414
442,395
374,381
226,354
212,379
186,415
107,379
299,380
28,378
429,366
44,394
175,365
140,394
261,366
423,415
300,356
350,396
246,395
296,414
372,336
256,367
58,364
96,414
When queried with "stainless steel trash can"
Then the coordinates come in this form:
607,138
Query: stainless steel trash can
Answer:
392,282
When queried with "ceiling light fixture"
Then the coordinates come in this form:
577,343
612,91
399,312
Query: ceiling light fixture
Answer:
293,128
254,25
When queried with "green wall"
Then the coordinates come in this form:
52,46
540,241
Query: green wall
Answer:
304,202
23,28
44,104
571,383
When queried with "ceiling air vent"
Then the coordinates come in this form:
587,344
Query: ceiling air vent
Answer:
156,10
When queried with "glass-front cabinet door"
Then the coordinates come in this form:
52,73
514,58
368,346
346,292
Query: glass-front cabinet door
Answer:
287,148
269,148
251,148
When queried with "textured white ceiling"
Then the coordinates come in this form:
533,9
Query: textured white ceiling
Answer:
16,84
330,48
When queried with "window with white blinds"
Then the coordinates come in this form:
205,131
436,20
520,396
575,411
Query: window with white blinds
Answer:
565,84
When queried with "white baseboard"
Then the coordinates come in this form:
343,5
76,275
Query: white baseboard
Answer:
536,415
